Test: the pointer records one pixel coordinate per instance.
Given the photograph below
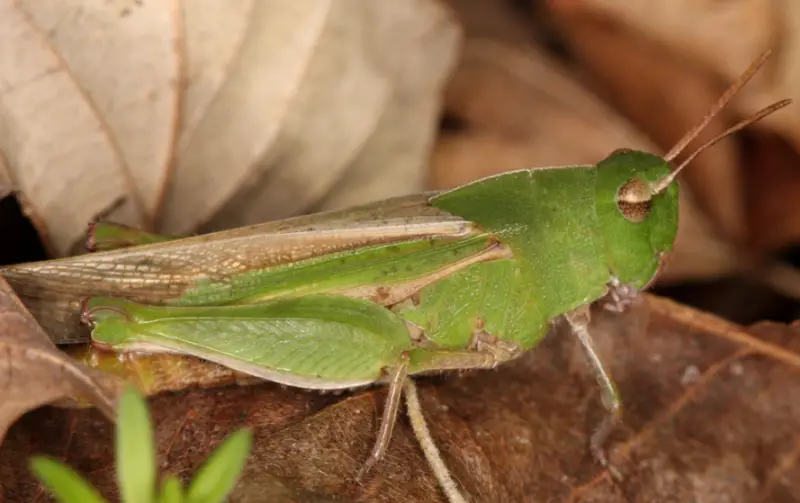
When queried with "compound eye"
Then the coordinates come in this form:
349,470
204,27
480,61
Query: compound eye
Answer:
634,200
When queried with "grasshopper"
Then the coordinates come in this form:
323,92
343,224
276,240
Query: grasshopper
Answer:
468,278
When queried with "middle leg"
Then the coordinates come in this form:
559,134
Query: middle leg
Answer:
579,322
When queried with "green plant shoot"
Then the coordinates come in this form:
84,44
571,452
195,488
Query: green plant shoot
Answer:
136,466
468,278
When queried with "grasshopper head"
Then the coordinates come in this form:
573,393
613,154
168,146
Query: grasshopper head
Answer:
638,224
637,199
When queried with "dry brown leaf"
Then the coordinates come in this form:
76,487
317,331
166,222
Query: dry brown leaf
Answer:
35,373
524,96
773,198
699,253
493,20
710,416
216,113
663,61
665,97
725,37
462,157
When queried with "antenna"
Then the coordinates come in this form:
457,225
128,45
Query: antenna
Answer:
719,105
663,183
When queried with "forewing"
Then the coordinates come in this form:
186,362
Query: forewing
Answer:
52,290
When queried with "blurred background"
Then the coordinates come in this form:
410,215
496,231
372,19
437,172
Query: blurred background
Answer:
206,115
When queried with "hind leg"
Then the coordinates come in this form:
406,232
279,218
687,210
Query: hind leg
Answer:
427,360
397,378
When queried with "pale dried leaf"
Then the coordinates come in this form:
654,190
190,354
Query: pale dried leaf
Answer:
223,152
396,156
34,373
54,141
213,33
125,58
329,138
219,113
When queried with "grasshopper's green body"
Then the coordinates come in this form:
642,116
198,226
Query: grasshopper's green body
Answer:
500,257
463,279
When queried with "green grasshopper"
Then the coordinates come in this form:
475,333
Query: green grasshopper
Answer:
468,278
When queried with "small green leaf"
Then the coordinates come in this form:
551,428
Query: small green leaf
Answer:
218,474
171,490
136,460
66,484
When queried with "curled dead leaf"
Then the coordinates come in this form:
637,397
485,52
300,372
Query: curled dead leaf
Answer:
35,373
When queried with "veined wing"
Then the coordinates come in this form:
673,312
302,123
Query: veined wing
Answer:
52,290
